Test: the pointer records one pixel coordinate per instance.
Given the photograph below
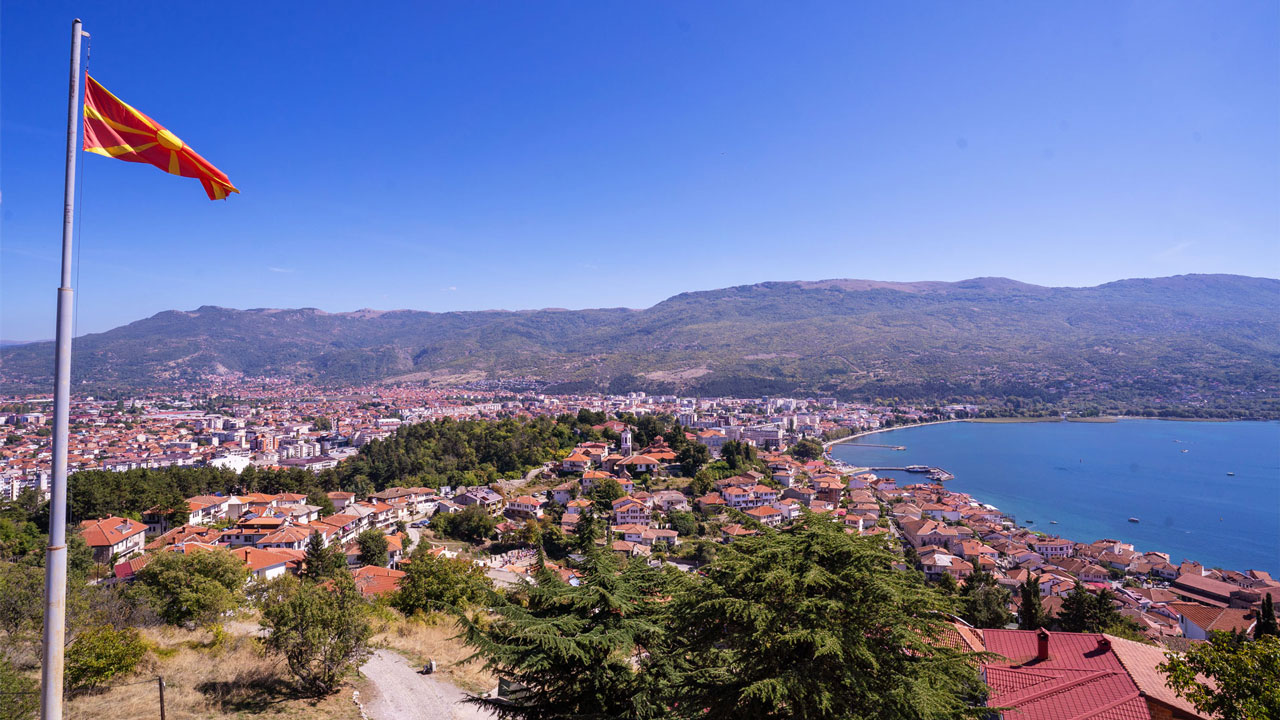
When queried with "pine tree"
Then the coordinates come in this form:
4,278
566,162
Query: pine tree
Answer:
1031,614
1084,612
1266,624
984,601
571,651
812,623
322,561
586,532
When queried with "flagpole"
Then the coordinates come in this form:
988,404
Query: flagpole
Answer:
55,574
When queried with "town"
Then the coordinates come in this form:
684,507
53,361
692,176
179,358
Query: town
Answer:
663,481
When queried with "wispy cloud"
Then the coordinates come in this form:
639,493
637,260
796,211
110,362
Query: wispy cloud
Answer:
280,270
451,288
1174,251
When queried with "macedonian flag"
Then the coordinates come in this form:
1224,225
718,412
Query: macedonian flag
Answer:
114,129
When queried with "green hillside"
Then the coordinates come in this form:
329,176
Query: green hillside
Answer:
1186,340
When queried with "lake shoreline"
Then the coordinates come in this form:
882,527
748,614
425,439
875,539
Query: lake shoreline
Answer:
1100,420
1198,488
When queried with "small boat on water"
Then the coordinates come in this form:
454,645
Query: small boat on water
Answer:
1231,474
1185,450
918,468
1053,522
1134,520
1029,522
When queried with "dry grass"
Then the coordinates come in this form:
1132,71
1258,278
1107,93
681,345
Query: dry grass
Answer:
230,679
434,637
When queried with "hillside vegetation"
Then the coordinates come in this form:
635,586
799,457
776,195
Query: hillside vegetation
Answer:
1194,339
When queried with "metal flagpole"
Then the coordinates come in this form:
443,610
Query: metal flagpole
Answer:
55,573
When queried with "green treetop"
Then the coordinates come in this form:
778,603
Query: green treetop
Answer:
813,623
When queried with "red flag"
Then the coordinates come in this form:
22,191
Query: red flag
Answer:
112,128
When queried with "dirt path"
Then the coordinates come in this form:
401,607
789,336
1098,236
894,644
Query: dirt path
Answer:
404,694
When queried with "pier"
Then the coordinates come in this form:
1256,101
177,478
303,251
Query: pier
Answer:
932,473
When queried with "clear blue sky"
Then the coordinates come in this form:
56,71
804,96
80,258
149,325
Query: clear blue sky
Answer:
471,155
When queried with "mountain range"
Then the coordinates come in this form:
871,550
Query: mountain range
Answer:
1184,339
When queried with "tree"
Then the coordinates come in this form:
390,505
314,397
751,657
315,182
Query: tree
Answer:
1245,675
1031,614
22,600
1266,624
101,653
473,524
692,457
20,693
321,499
193,589
703,483
321,630
684,523
322,423
806,450
947,585
984,601
604,492
438,583
1084,612
811,622
555,543
738,455
572,650
322,561
586,532
373,548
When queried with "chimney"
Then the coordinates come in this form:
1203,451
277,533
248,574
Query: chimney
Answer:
1042,645
1104,644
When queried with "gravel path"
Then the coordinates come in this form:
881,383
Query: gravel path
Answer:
404,694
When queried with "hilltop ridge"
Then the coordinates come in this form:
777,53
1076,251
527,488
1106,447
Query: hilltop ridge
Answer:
1174,339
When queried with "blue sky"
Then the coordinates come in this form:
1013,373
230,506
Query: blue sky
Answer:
445,156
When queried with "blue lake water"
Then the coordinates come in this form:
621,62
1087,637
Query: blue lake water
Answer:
1092,477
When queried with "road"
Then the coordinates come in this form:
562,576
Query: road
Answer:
509,486
402,693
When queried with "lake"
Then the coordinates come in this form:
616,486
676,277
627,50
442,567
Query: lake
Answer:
1091,477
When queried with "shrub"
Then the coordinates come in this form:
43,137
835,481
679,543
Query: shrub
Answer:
21,694
322,630
193,589
101,653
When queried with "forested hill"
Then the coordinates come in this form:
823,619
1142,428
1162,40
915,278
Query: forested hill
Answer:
1161,340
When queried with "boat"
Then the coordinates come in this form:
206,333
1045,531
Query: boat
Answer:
918,468
1231,474
1053,522
1185,450
1134,520
1029,522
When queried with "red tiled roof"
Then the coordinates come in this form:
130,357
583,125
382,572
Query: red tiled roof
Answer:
257,559
377,580
109,531
1214,618
130,567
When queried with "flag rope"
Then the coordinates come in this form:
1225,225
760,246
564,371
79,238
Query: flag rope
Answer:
75,315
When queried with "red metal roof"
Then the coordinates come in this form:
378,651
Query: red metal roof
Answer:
1082,678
